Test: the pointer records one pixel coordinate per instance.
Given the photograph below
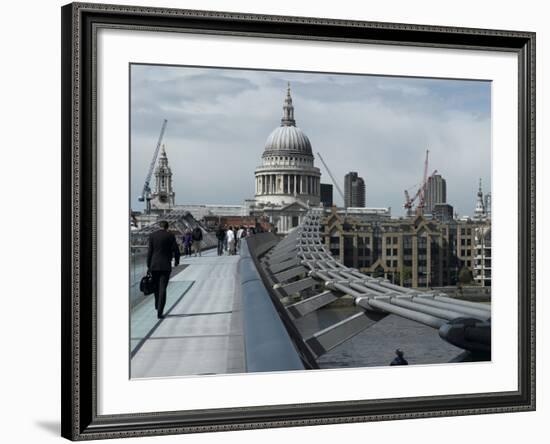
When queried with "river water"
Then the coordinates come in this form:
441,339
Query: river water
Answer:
376,345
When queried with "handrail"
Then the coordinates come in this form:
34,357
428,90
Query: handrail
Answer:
268,346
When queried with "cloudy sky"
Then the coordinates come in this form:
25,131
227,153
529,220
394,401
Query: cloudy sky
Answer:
219,120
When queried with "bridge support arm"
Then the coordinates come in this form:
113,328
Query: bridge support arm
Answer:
467,333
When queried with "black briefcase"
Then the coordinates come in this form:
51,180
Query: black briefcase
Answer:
147,284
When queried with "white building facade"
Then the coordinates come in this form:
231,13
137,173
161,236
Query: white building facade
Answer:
483,252
482,259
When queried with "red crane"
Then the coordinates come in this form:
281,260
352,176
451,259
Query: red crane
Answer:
420,193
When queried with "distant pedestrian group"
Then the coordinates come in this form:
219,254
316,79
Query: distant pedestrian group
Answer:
163,248
192,242
229,238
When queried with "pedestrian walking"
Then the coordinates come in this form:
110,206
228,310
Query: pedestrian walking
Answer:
239,235
230,239
225,238
161,249
187,243
220,235
197,240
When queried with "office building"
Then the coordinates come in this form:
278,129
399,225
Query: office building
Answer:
354,190
326,195
436,193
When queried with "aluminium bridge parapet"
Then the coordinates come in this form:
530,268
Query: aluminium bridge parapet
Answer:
268,345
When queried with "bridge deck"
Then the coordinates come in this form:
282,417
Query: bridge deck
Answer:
202,332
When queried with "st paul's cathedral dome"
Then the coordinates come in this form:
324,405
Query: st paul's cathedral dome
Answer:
287,173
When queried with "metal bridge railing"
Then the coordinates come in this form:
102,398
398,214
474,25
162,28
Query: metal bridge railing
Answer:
179,222
301,267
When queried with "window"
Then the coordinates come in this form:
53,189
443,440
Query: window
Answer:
395,251
388,251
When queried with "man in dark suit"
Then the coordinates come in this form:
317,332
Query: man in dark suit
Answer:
162,247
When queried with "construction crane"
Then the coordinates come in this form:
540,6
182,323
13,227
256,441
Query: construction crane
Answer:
409,202
420,193
146,193
335,183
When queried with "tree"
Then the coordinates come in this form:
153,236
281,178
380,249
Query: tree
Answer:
407,275
465,276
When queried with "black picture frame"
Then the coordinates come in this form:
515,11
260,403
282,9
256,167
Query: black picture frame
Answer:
80,420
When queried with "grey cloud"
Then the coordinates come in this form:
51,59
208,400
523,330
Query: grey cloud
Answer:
377,126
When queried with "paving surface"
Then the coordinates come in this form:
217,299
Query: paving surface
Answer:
202,332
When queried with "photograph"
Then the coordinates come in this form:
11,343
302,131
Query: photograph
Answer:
278,221
306,221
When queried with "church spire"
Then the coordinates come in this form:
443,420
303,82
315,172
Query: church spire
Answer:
288,110
163,196
479,213
163,159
